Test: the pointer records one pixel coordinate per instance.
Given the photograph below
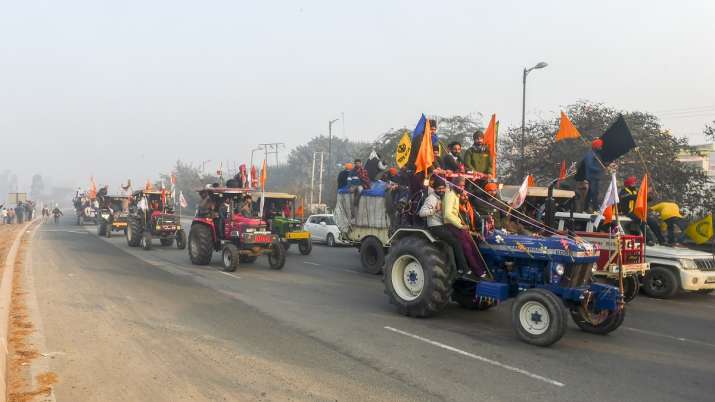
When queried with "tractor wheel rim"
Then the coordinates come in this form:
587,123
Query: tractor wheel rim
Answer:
226,258
408,277
534,318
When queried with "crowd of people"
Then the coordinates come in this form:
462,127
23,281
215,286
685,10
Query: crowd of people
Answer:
22,212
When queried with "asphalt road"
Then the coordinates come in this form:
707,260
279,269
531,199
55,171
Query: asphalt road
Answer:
127,324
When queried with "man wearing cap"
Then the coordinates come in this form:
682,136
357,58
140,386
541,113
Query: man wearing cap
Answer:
344,175
477,158
491,205
627,197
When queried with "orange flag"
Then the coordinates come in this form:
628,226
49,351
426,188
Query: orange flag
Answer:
490,140
531,182
562,172
566,129
608,215
425,156
92,189
641,207
263,175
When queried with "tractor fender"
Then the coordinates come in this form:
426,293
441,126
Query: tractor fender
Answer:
399,233
208,222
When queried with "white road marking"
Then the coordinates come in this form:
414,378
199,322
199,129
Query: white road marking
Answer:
229,274
311,263
477,357
671,337
64,230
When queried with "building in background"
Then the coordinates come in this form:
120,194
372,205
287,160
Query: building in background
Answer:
702,156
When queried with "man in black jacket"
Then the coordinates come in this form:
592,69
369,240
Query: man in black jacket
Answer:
453,159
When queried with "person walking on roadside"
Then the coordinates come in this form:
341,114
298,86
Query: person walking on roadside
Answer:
454,223
669,212
56,213
20,213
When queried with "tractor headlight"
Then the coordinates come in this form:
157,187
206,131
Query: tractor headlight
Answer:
594,267
560,269
250,230
688,264
105,216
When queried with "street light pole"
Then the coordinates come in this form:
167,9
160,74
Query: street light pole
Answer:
330,146
523,115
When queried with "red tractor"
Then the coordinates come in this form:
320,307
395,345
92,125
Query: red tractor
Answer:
152,216
224,222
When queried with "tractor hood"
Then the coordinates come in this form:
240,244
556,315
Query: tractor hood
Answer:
554,248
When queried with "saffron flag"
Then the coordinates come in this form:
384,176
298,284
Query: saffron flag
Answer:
532,181
562,172
182,200
402,153
425,156
518,199
608,215
701,231
254,177
609,200
566,129
640,209
92,189
263,176
490,141
173,179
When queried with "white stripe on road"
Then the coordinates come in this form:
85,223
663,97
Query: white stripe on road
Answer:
311,263
675,338
477,357
229,274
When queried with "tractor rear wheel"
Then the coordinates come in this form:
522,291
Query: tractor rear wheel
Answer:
101,229
200,247
247,258
416,277
230,258
146,241
608,325
134,232
180,239
167,241
372,255
538,317
277,257
305,246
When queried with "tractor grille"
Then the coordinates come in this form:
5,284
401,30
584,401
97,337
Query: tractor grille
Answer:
705,264
576,275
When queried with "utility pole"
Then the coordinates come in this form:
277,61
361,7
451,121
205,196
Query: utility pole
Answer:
523,115
271,148
320,191
330,146
312,180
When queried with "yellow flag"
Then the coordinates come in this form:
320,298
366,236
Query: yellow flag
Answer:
566,129
402,153
701,231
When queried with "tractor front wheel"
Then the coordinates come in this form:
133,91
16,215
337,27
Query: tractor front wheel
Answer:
608,325
416,277
200,247
305,246
539,317
230,258
146,241
277,256
180,239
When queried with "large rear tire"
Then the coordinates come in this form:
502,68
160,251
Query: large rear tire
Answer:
538,317
305,246
180,239
277,257
230,258
660,283
608,325
416,277
134,232
372,255
200,247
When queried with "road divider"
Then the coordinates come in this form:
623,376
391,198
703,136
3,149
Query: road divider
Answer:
477,357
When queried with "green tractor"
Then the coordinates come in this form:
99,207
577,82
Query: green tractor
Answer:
279,212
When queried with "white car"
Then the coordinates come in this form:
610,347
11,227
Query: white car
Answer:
322,228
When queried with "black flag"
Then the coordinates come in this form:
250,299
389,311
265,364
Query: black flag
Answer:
617,141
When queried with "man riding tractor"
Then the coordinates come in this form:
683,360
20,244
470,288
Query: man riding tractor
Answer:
279,212
151,214
113,213
225,222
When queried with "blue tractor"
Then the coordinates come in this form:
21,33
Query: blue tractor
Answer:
548,277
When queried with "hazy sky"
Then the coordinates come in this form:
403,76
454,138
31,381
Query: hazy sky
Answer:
123,88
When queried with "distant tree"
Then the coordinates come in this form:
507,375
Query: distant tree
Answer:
709,131
188,179
656,153
37,187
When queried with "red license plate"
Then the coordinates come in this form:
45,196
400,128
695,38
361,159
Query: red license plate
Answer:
263,239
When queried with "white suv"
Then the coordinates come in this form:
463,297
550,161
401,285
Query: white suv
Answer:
672,269
322,228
